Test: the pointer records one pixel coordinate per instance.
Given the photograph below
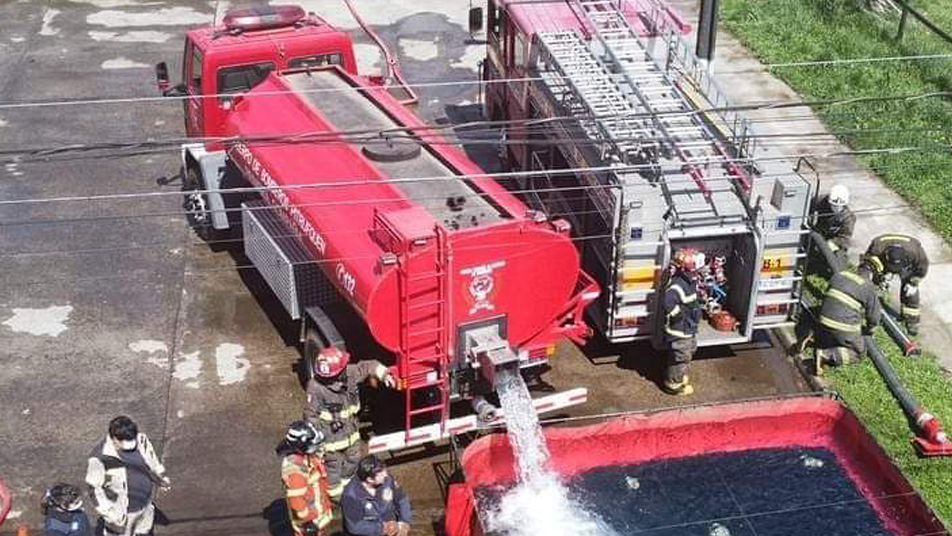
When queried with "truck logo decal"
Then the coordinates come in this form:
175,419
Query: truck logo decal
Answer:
251,166
481,285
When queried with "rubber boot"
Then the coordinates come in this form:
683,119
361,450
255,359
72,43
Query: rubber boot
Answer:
682,388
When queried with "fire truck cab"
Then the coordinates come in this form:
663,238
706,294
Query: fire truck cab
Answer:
219,64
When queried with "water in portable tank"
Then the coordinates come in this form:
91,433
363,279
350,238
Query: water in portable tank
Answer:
539,504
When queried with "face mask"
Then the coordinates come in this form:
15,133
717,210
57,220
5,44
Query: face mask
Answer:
128,446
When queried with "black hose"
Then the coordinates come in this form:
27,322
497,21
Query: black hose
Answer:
909,404
835,263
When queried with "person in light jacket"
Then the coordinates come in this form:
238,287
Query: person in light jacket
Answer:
122,472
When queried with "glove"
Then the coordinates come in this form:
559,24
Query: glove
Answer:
336,426
403,529
165,483
390,381
390,528
910,290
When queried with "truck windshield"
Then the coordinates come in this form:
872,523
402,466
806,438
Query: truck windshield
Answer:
241,78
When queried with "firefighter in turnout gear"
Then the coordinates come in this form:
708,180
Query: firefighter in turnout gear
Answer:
834,220
850,299
902,255
333,402
305,479
682,313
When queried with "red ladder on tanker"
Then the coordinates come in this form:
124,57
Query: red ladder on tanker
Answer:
425,321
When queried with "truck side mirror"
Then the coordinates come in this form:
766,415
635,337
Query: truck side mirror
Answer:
475,20
162,77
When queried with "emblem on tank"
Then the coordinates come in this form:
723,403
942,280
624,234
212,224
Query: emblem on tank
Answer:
481,285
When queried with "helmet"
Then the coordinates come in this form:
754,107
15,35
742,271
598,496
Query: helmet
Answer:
330,362
688,260
304,437
896,258
839,196
64,496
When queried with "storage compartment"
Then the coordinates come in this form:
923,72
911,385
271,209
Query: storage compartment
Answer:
724,285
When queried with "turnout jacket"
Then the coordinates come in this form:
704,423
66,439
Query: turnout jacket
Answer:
364,514
911,262
106,475
305,486
849,300
836,227
334,411
682,311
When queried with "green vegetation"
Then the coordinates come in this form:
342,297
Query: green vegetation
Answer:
782,31
866,394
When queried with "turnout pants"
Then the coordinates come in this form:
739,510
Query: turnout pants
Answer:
137,523
341,466
840,347
679,356
909,299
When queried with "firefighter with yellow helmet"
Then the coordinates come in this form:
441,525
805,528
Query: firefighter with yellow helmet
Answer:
682,313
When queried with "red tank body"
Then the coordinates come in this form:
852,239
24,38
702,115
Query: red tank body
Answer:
358,214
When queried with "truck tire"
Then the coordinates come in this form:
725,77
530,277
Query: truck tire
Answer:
319,333
197,208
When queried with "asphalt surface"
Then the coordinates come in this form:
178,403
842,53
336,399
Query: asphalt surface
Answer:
116,307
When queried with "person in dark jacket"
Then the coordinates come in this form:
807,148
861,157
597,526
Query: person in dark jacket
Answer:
834,220
333,404
901,255
850,300
374,504
682,313
63,510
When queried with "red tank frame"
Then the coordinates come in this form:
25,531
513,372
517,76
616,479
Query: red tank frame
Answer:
806,422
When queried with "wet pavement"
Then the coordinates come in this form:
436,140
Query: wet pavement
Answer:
116,307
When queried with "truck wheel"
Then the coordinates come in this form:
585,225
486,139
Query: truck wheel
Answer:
195,203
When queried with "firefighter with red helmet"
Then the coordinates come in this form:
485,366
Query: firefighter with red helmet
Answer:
333,402
305,479
902,255
682,313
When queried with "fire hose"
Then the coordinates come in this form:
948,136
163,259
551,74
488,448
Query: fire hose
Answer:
6,502
931,439
393,67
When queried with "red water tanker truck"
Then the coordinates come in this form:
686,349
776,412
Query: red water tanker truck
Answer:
451,273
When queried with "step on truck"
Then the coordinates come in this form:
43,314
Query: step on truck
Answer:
636,146
342,197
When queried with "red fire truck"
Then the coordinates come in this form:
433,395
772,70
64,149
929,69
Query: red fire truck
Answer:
343,196
657,160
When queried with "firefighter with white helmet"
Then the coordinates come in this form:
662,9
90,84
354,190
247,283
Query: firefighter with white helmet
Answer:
834,220
682,313
333,402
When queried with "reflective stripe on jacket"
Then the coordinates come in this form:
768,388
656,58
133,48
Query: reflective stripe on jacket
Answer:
326,406
915,265
305,487
681,308
849,300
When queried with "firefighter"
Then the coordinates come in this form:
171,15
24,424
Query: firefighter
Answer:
834,220
374,504
62,508
850,299
305,479
902,255
333,401
682,312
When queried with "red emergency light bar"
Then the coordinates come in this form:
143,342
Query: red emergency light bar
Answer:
263,18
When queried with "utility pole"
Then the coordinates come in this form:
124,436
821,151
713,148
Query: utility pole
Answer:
707,30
